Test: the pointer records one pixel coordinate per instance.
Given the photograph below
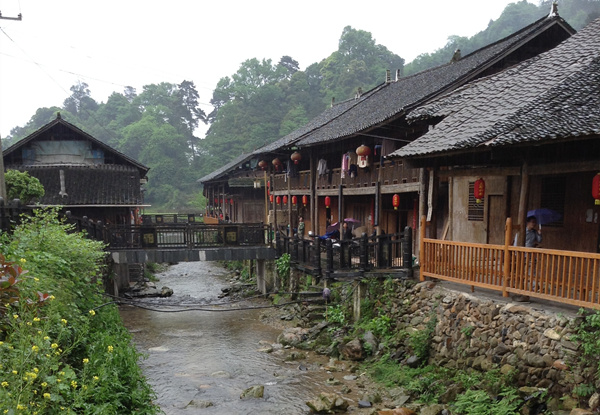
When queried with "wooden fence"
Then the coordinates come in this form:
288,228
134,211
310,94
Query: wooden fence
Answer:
563,276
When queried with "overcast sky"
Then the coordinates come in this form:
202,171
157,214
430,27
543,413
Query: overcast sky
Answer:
111,44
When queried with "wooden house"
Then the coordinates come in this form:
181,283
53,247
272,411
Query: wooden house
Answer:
328,176
80,173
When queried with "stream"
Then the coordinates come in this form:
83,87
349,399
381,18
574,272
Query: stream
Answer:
201,357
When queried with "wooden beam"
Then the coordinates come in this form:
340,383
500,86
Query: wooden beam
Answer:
399,188
524,192
564,168
482,171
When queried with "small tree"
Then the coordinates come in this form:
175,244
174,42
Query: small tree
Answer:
20,185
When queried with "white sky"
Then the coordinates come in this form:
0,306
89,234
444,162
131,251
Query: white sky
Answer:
111,44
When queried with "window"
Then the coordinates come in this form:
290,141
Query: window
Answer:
475,209
553,197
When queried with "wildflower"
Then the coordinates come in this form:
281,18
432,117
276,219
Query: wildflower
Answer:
84,387
54,345
4,384
1,343
46,338
29,323
35,348
36,319
47,395
58,380
110,349
96,378
14,372
35,391
44,384
92,312
74,384
52,297
86,360
23,260
36,279
36,370
20,407
63,321
15,316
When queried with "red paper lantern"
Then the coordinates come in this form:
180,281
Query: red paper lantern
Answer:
285,200
231,201
271,198
305,200
226,201
396,201
294,200
296,157
596,189
263,164
327,201
363,150
216,201
479,190
278,200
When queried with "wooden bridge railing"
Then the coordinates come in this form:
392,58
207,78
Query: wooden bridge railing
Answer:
563,276
355,255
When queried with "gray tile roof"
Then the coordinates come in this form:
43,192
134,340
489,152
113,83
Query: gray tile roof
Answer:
555,95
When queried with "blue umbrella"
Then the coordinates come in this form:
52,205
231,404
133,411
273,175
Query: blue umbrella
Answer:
545,215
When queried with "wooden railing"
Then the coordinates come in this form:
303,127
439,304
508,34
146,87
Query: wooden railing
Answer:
563,276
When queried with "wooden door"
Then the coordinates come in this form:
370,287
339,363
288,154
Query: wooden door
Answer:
496,220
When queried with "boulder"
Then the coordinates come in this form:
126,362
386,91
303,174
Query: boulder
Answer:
255,392
293,336
352,350
327,403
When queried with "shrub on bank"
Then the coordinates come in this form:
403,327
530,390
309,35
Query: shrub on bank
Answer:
63,347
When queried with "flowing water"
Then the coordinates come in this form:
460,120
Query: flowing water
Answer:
204,356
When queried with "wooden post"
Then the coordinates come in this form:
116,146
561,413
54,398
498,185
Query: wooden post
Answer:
523,203
422,247
422,200
313,193
266,199
507,258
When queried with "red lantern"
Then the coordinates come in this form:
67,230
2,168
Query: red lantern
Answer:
231,201
216,201
296,157
285,200
596,189
363,150
396,201
278,200
294,200
263,164
305,200
327,201
226,201
479,190
271,198
276,163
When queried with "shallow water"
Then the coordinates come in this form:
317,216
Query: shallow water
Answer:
213,356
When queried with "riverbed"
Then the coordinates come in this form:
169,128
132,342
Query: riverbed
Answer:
198,358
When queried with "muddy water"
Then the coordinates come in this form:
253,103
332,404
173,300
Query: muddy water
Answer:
204,356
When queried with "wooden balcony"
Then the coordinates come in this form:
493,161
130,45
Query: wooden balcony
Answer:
562,276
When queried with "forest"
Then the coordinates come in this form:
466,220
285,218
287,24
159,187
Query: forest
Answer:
261,102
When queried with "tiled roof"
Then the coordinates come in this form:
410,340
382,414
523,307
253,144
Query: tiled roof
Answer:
395,98
555,95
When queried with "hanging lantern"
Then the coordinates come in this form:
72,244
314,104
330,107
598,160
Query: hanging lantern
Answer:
216,201
226,201
396,201
271,198
231,202
278,200
363,152
263,164
479,190
327,201
296,157
276,163
294,200
285,200
596,189
305,200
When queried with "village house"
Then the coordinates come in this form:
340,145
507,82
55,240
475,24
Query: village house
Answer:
80,173
525,142
335,167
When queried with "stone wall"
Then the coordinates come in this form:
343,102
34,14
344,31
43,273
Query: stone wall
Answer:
474,332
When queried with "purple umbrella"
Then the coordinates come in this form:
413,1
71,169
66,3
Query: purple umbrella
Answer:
545,215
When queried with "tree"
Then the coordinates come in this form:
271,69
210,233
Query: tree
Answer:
22,186
80,102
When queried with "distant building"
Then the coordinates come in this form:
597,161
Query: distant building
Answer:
80,173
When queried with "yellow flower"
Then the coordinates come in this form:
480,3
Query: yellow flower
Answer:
110,349
36,319
96,378
63,321
54,345
86,360
74,384
44,384
4,384
15,316
84,387
58,380
1,343
36,279
46,338
23,260
52,297
20,407
47,395
29,323
36,370
92,312
35,348
14,372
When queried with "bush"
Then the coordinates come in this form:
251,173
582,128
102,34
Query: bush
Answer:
22,186
66,350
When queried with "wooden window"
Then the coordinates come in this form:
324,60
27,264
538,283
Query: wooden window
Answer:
475,209
553,197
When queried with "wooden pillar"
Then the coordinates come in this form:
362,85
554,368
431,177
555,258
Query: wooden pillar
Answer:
422,259
313,189
341,210
289,204
507,258
422,204
266,199
524,192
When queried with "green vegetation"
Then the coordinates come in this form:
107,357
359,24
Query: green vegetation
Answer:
63,347
282,264
20,185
